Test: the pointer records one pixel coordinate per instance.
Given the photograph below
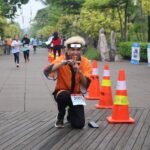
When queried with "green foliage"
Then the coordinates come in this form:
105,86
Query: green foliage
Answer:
92,54
146,6
68,21
68,6
45,31
125,50
95,3
91,22
46,20
87,17
103,4
9,7
12,30
138,30
48,16
3,22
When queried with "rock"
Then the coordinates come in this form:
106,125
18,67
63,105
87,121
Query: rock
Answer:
118,58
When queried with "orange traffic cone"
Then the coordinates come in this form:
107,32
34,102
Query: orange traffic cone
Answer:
94,88
50,57
105,100
120,112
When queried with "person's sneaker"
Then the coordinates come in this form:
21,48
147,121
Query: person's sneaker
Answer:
59,123
17,65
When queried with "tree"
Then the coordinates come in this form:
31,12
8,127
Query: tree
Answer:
12,30
68,6
45,31
122,7
3,22
146,8
91,21
9,7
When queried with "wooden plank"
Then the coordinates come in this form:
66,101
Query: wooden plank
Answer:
146,145
108,113
34,135
105,140
17,123
51,143
52,138
93,138
11,121
9,117
88,131
8,140
41,125
111,145
96,138
136,130
147,121
42,138
4,115
119,134
141,138
74,135
102,135
18,126
128,132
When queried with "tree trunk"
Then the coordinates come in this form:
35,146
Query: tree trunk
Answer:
148,28
121,27
125,21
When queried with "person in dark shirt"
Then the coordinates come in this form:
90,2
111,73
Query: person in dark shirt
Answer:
26,50
56,41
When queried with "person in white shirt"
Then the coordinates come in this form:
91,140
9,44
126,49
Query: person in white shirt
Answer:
16,49
34,43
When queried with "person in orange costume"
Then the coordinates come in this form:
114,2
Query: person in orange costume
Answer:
73,71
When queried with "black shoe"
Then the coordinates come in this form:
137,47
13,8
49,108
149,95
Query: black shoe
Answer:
59,123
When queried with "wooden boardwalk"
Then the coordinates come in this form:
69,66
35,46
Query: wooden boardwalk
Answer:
36,131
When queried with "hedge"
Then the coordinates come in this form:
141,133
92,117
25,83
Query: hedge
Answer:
92,54
125,49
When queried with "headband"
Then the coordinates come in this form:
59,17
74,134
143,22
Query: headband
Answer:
74,45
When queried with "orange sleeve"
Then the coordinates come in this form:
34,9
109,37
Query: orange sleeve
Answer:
86,67
58,59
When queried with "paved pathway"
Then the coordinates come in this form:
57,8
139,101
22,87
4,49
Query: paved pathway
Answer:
28,111
26,88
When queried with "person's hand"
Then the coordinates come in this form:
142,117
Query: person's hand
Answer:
65,62
76,67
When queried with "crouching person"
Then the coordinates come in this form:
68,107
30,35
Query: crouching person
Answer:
73,72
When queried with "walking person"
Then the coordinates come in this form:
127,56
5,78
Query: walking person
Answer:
74,72
34,42
16,49
8,45
56,41
26,47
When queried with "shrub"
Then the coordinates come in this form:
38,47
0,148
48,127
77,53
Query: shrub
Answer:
92,54
125,49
